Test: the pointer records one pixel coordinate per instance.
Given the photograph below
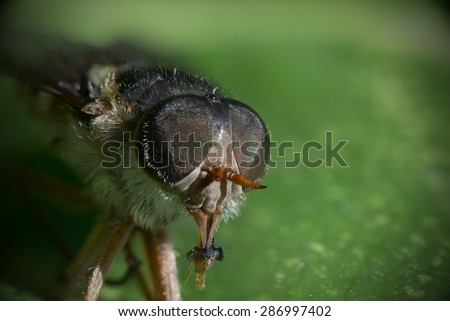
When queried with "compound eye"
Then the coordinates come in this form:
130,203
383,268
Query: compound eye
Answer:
250,141
172,136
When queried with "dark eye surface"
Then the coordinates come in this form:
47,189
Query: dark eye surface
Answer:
172,136
250,141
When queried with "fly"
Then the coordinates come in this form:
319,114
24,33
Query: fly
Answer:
191,150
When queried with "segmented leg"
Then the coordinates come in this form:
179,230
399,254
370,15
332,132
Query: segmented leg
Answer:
161,261
111,248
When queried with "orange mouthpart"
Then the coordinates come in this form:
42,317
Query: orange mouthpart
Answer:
219,174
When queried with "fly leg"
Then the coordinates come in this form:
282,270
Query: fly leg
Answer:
160,257
115,241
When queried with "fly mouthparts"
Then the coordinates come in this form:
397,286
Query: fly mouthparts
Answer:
219,174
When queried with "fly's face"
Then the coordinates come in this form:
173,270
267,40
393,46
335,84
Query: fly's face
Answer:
209,151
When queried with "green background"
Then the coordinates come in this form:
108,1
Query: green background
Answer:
375,74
